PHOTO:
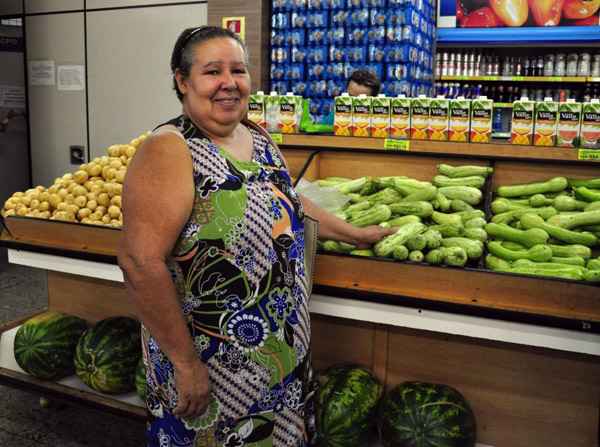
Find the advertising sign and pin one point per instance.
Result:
(518, 13)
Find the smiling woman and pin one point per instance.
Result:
(213, 259)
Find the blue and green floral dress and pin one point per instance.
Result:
(238, 267)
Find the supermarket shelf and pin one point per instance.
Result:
(69, 388)
(578, 79)
(394, 315)
(519, 36)
(496, 150)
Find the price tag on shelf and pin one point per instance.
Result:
(396, 145)
(589, 154)
(277, 138)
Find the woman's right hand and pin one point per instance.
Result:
(193, 389)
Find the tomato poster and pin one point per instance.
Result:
(526, 13)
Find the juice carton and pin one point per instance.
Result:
(380, 116)
(460, 111)
(419, 120)
(342, 120)
(590, 125)
(272, 112)
(481, 120)
(438, 118)
(569, 123)
(546, 114)
(361, 116)
(289, 107)
(400, 118)
(522, 122)
(256, 109)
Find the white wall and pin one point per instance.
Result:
(129, 87)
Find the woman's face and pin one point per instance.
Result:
(217, 89)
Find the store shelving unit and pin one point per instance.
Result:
(553, 79)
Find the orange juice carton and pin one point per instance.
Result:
(569, 123)
(481, 120)
(419, 118)
(272, 112)
(400, 118)
(590, 125)
(256, 109)
(290, 107)
(460, 119)
(342, 120)
(361, 116)
(380, 116)
(522, 122)
(546, 115)
(439, 118)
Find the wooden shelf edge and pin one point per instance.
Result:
(492, 150)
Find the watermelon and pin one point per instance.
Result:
(417, 414)
(346, 404)
(45, 344)
(108, 353)
(140, 379)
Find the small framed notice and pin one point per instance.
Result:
(42, 73)
(70, 77)
(236, 25)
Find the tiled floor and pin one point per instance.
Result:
(23, 422)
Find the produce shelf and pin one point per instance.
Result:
(492, 150)
(577, 79)
(519, 36)
(68, 389)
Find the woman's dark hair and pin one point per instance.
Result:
(368, 79)
(182, 57)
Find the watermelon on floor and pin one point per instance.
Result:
(346, 406)
(418, 414)
(140, 379)
(45, 344)
(107, 355)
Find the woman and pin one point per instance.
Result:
(213, 260)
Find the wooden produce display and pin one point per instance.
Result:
(522, 395)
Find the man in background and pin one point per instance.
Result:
(363, 82)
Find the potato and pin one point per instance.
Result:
(67, 176)
(103, 199)
(44, 196)
(101, 210)
(84, 213)
(19, 194)
(8, 213)
(106, 219)
(73, 209)
(131, 149)
(116, 200)
(120, 176)
(115, 163)
(22, 211)
(114, 150)
(114, 211)
(62, 206)
(69, 198)
(35, 203)
(80, 201)
(25, 200)
(63, 192)
(54, 200)
(80, 177)
(92, 204)
(44, 206)
(45, 214)
(94, 169)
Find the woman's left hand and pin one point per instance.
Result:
(367, 236)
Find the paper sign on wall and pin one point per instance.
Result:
(70, 77)
(12, 97)
(42, 73)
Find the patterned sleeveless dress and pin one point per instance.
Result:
(238, 267)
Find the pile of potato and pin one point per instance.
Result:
(90, 195)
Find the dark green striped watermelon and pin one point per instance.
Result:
(417, 414)
(345, 406)
(140, 379)
(45, 344)
(107, 355)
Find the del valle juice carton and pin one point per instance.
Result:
(342, 120)
(438, 118)
(481, 120)
(590, 125)
(380, 116)
(256, 109)
(361, 116)
(569, 123)
(272, 112)
(546, 115)
(400, 118)
(460, 118)
(522, 122)
(290, 107)
(419, 117)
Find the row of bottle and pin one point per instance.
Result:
(340, 72)
(303, 5)
(510, 92)
(479, 63)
